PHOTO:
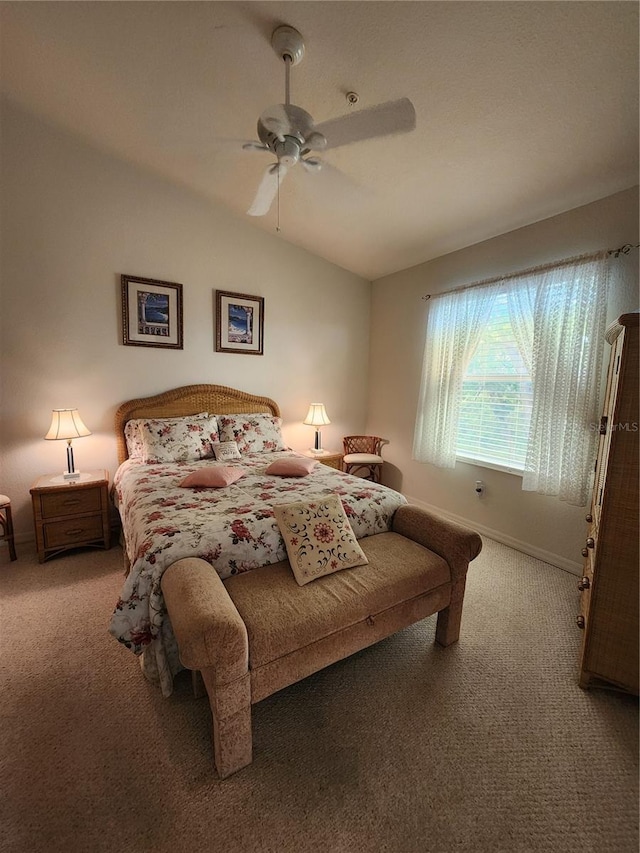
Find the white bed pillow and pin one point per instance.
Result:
(254, 433)
(178, 440)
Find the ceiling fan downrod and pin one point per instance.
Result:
(289, 45)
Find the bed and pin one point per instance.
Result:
(232, 528)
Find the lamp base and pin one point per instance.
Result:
(73, 475)
(317, 452)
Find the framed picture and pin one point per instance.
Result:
(151, 313)
(239, 323)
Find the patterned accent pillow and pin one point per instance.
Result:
(179, 440)
(215, 477)
(133, 437)
(318, 538)
(225, 450)
(254, 433)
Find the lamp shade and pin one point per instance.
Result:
(316, 416)
(66, 423)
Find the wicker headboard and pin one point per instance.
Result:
(189, 400)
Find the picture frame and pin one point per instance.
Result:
(151, 313)
(239, 323)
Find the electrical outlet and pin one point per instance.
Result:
(479, 488)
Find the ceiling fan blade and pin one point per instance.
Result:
(267, 190)
(254, 146)
(382, 120)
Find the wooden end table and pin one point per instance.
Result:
(330, 458)
(71, 513)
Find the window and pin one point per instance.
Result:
(511, 375)
(497, 396)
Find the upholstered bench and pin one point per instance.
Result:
(258, 632)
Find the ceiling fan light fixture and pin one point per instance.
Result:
(287, 151)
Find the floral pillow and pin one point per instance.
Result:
(318, 538)
(180, 440)
(133, 437)
(254, 433)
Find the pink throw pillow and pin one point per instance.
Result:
(212, 478)
(295, 466)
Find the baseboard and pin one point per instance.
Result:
(539, 553)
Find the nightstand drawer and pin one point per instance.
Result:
(70, 503)
(74, 531)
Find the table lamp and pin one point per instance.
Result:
(317, 417)
(67, 424)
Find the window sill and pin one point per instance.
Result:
(482, 463)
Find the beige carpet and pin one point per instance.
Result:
(489, 745)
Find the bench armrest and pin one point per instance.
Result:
(205, 621)
(456, 544)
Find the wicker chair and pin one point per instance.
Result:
(362, 454)
(6, 525)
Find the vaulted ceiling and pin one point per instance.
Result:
(523, 109)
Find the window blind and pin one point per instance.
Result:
(497, 396)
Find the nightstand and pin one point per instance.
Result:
(328, 457)
(71, 513)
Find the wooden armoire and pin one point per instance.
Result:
(609, 586)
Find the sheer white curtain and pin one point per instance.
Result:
(558, 320)
(521, 296)
(454, 326)
(569, 324)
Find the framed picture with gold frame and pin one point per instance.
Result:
(151, 312)
(239, 323)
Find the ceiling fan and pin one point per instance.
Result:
(289, 132)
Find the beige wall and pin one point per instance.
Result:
(73, 220)
(540, 525)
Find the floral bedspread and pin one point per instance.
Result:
(232, 528)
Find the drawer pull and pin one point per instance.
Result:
(580, 621)
(71, 502)
(584, 583)
(591, 542)
(584, 552)
(589, 518)
(76, 531)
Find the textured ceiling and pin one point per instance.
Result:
(524, 109)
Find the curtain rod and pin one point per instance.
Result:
(621, 250)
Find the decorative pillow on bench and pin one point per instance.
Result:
(318, 538)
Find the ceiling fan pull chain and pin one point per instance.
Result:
(278, 198)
